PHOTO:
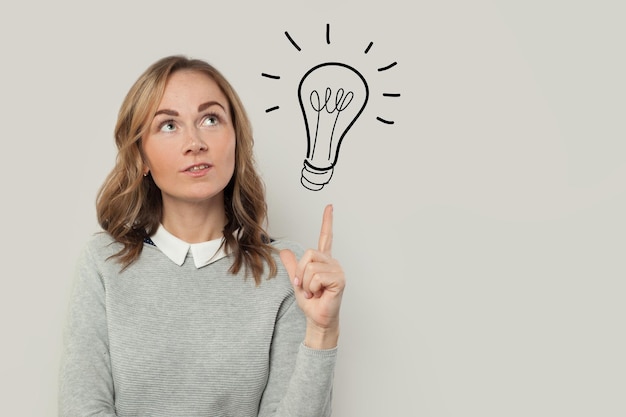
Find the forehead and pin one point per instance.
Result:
(191, 86)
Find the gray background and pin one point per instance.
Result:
(482, 233)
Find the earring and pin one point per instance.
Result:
(145, 174)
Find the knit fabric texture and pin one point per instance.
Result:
(158, 339)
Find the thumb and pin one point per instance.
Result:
(289, 260)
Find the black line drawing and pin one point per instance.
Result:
(393, 64)
(332, 96)
(292, 41)
(340, 85)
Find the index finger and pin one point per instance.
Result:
(326, 234)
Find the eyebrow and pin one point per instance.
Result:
(167, 112)
(208, 104)
(201, 108)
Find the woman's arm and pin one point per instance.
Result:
(86, 383)
(318, 282)
(300, 378)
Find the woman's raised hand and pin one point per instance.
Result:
(318, 282)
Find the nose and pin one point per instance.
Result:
(194, 143)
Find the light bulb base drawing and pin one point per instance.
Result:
(314, 178)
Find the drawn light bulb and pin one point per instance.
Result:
(332, 96)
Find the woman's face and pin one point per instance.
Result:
(190, 145)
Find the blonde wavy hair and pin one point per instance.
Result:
(129, 204)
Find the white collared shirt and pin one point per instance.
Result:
(203, 253)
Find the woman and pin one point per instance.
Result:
(184, 306)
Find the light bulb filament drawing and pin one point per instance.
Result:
(328, 119)
(341, 102)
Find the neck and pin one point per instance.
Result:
(195, 223)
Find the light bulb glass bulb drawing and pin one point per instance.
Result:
(332, 96)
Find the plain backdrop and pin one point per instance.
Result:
(482, 233)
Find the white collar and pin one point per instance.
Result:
(203, 253)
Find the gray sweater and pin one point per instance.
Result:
(160, 339)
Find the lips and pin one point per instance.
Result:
(197, 167)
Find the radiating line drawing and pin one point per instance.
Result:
(393, 64)
(332, 96)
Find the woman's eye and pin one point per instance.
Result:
(167, 127)
(210, 120)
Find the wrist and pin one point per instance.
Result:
(321, 337)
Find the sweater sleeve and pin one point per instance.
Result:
(300, 379)
(86, 383)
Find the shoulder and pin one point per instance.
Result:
(296, 248)
(282, 277)
(96, 250)
(99, 255)
(101, 244)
